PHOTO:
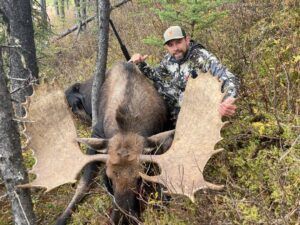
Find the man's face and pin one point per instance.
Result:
(178, 47)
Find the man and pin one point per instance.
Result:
(182, 61)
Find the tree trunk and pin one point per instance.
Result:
(12, 170)
(83, 9)
(62, 9)
(22, 60)
(56, 7)
(97, 14)
(44, 12)
(83, 12)
(104, 12)
(78, 12)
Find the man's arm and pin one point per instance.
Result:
(155, 74)
(208, 62)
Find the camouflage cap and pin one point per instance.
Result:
(172, 33)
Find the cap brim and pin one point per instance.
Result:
(173, 38)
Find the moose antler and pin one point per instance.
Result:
(197, 131)
(51, 122)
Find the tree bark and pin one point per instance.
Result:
(104, 12)
(62, 9)
(97, 13)
(12, 170)
(78, 12)
(83, 12)
(56, 7)
(83, 9)
(22, 54)
(43, 12)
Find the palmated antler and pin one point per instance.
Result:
(197, 132)
(51, 134)
(59, 159)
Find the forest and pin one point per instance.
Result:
(257, 40)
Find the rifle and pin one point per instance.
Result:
(123, 47)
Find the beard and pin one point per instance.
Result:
(178, 55)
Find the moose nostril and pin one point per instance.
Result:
(123, 153)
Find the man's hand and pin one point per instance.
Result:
(227, 108)
(137, 58)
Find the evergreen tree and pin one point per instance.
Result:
(193, 15)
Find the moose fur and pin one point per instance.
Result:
(130, 114)
(79, 99)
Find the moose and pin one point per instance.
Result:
(130, 113)
(79, 99)
(130, 130)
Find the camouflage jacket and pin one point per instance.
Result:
(171, 76)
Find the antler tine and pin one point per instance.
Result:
(149, 158)
(24, 185)
(27, 102)
(217, 151)
(214, 186)
(97, 157)
(155, 179)
(95, 143)
(104, 151)
(33, 185)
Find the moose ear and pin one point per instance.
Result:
(95, 143)
(159, 143)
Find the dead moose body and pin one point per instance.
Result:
(131, 114)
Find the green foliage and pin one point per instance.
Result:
(153, 40)
(42, 30)
(264, 172)
(93, 210)
(190, 13)
(193, 15)
(274, 40)
(29, 160)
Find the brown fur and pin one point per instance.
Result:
(127, 93)
(130, 110)
(123, 166)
